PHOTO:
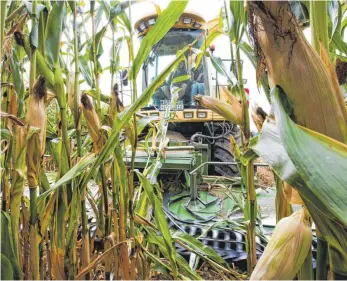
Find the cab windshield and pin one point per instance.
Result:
(161, 55)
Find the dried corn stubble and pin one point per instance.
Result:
(93, 122)
(220, 107)
(36, 117)
(287, 249)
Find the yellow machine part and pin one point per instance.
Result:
(191, 115)
(179, 24)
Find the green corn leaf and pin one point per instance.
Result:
(301, 157)
(160, 219)
(34, 33)
(45, 211)
(7, 247)
(54, 31)
(198, 247)
(180, 79)
(39, 8)
(18, 176)
(163, 24)
(99, 50)
(98, 17)
(248, 51)
(213, 34)
(317, 152)
(74, 172)
(6, 269)
(159, 241)
(334, 12)
(220, 67)
(118, 9)
(85, 70)
(5, 134)
(237, 20)
(106, 7)
(300, 11)
(124, 19)
(75, 211)
(121, 182)
(339, 43)
(306, 270)
(42, 67)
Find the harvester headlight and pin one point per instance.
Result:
(187, 20)
(196, 25)
(188, 114)
(142, 26)
(151, 21)
(155, 114)
(202, 114)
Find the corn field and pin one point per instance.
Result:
(73, 208)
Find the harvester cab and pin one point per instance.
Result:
(197, 168)
(198, 144)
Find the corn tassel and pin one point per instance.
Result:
(287, 249)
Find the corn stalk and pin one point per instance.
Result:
(2, 23)
(95, 62)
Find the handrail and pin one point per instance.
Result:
(222, 163)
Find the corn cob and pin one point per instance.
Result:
(116, 104)
(220, 107)
(287, 249)
(93, 122)
(36, 117)
(71, 92)
(341, 71)
(233, 101)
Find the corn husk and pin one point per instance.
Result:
(291, 194)
(36, 110)
(297, 68)
(341, 71)
(233, 101)
(116, 104)
(50, 97)
(220, 107)
(36, 117)
(93, 122)
(71, 92)
(287, 249)
(258, 116)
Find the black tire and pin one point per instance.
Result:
(222, 153)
